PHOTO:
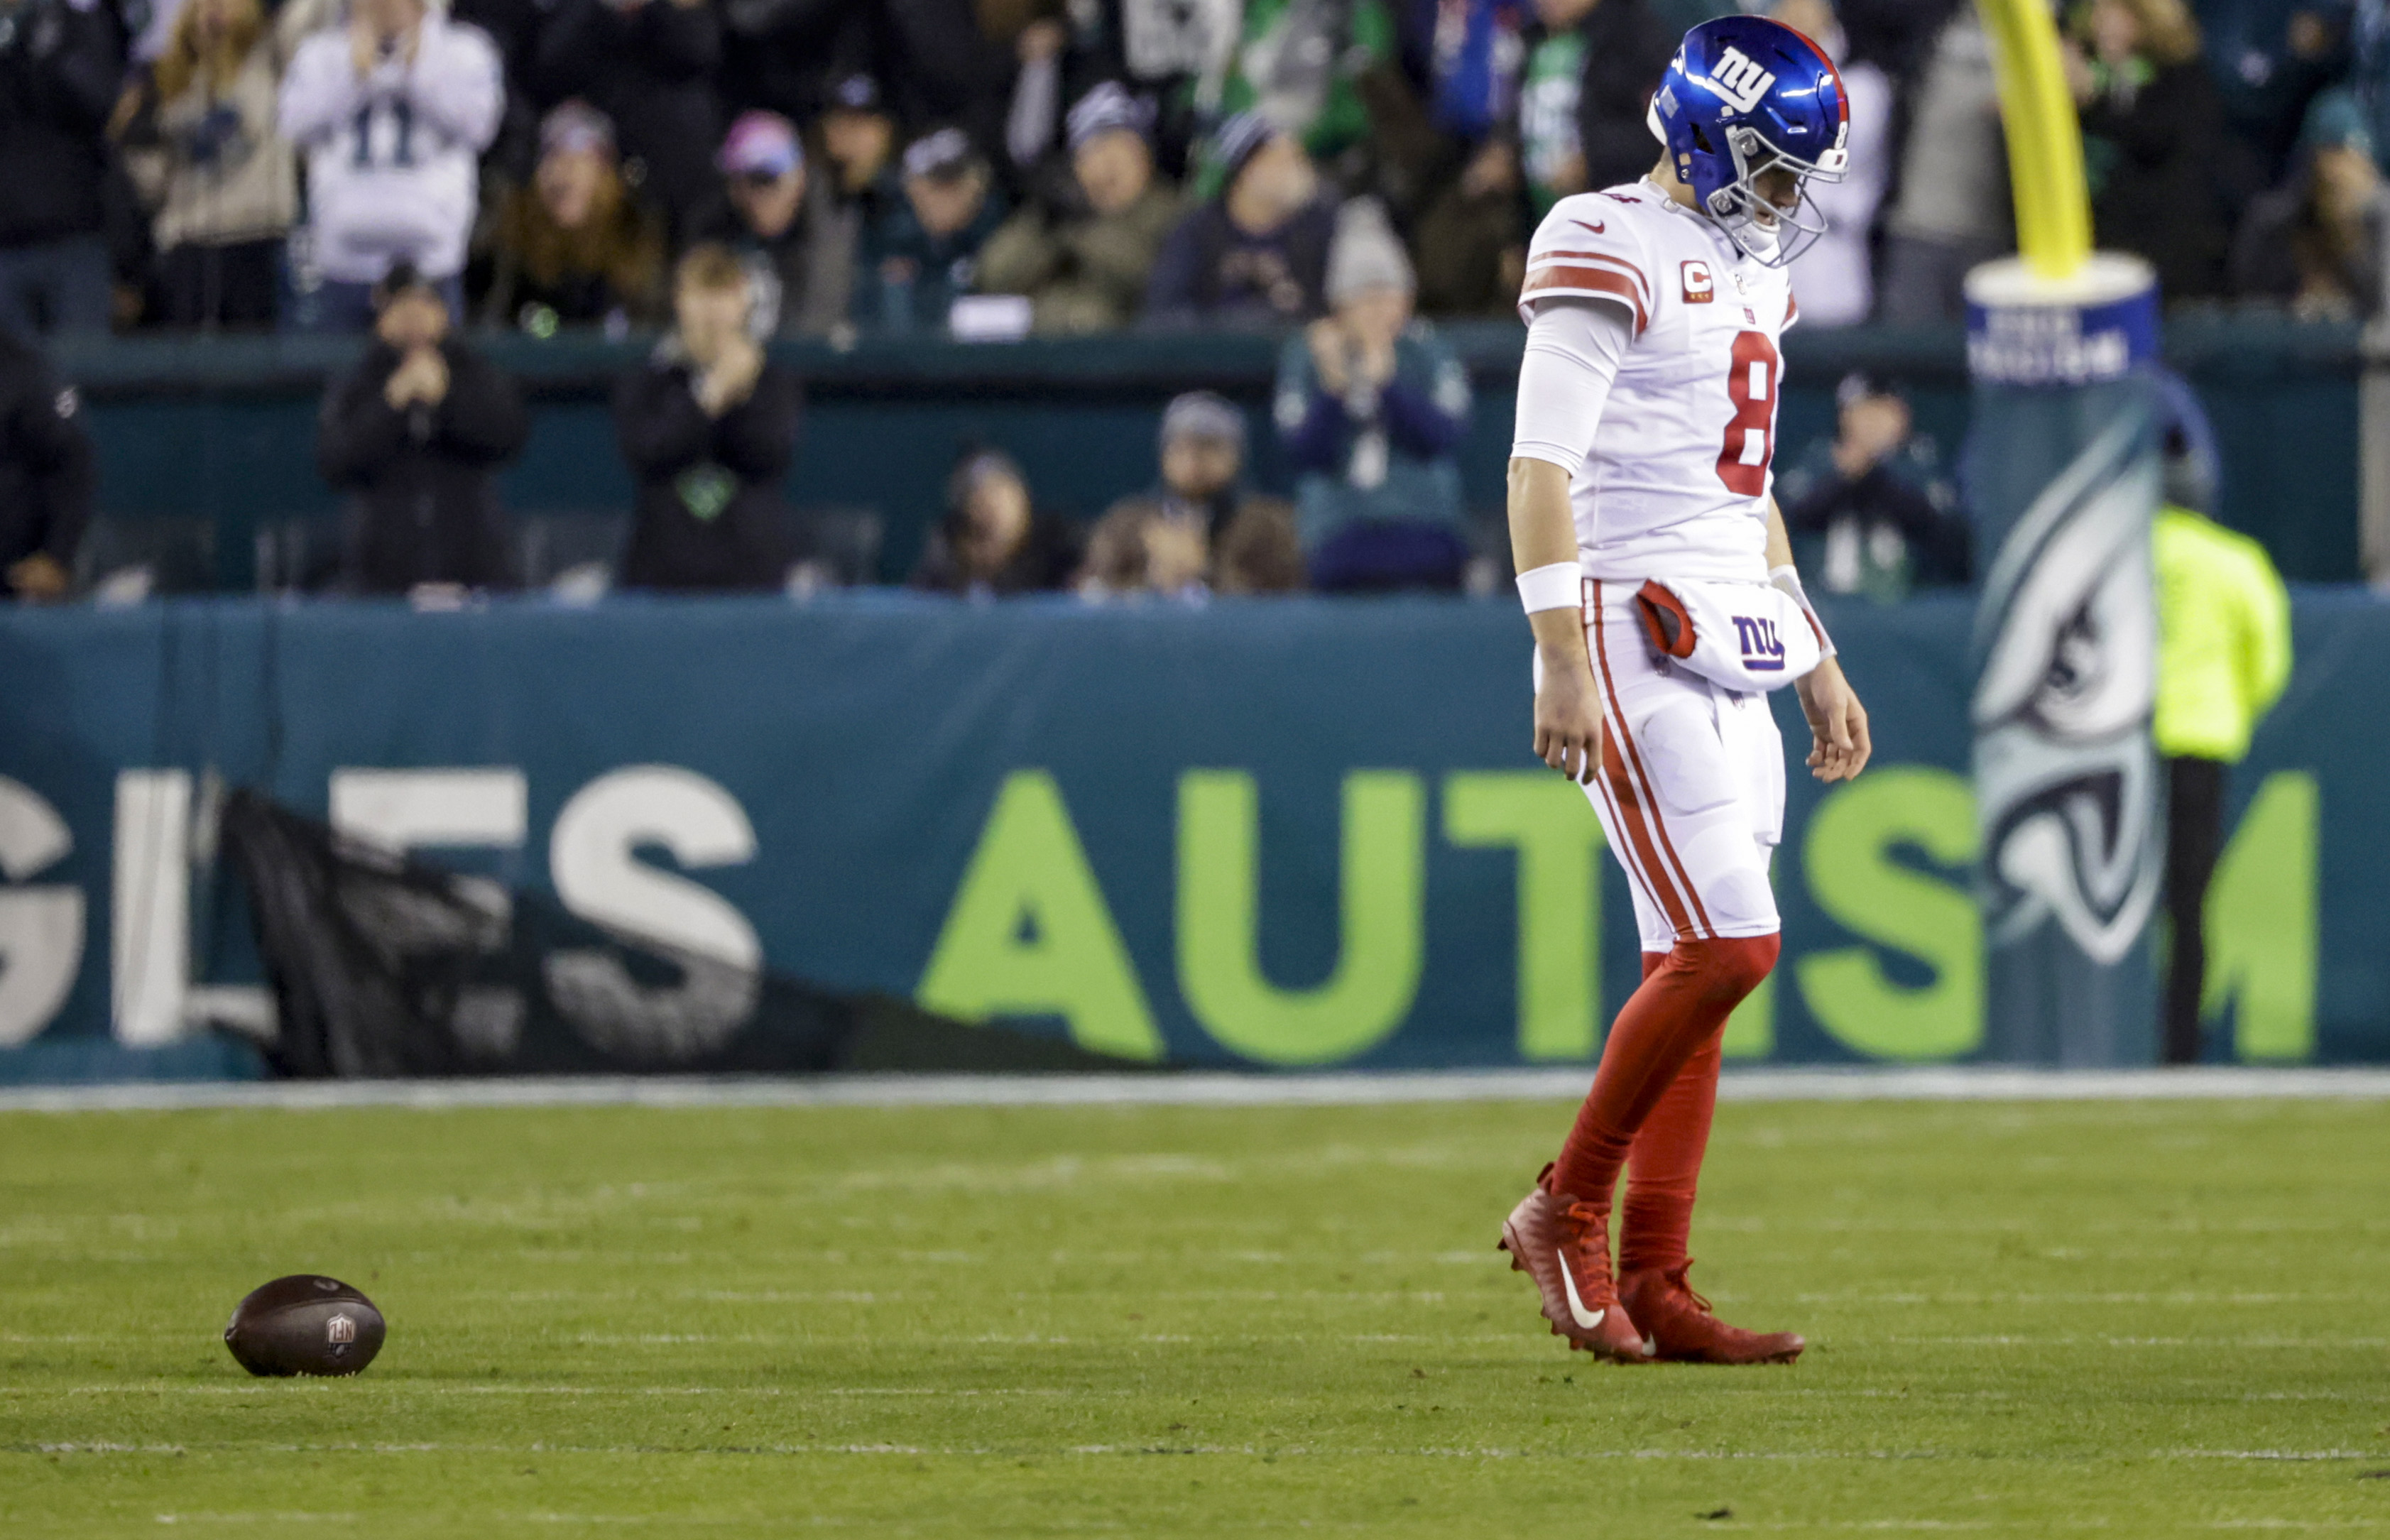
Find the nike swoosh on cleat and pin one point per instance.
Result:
(1585, 1319)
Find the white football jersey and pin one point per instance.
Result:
(1677, 482)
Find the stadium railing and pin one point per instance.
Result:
(222, 429)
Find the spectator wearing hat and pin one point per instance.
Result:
(858, 140)
(391, 110)
(60, 64)
(2315, 243)
(789, 226)
(1371, 406)
(1085, 267)
(46, 475)
(994, 541)
(1200, 529)
(1256, 255)
(415, 432)
(919, 255)
(575, 247)
(199, 143)
(709, 426)
(1869, 508)
(649, 65)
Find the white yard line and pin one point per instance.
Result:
(1197, 1089)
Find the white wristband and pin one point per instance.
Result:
(1789, 580)
(1558, 586)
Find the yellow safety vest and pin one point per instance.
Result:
(2224, 650)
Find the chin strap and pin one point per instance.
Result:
(1788, 579)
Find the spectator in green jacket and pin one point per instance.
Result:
(1085, 267)
(2224, 655)
(1295, 64)
(1371, 406)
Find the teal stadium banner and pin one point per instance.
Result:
(1286, 834)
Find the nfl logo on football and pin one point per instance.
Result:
(340, 1329)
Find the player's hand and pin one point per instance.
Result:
(1568, 718)
(1838, 724)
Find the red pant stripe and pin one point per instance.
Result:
(1634, 783)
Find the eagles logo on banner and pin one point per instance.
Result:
(2062, 481)
(2067, 776)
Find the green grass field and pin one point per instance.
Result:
(2129, 1318)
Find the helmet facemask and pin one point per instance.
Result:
(1770, 236)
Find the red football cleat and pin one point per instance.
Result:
(1679, 1328)
(1563, 1245)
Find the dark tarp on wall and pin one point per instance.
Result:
(388, 966)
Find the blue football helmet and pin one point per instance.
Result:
(1745, 96)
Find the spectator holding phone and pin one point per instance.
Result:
(1371, 406)
(415, 432)
(709, 426)
(391, 110)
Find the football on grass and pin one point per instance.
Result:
(304, 1325)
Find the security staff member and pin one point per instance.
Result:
(2224, 655)
(46, 476)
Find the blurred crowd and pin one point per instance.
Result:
(724, 173)
(1001, 167)
(1370, 410)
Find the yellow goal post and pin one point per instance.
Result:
(2053, 204)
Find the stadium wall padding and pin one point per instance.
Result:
(226, 428)
(1282, 833)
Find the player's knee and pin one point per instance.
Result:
(1731, 967)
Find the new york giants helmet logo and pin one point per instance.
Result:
(1740, 78)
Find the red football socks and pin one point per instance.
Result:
(1663, 1165)
(1663, 1053)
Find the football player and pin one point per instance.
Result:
(1658, 580)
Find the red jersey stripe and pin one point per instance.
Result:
(1605, 258)
(1589, 280)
